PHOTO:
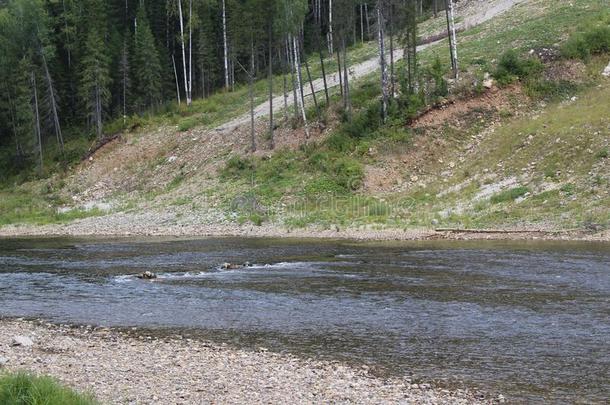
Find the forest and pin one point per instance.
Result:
(69, 67)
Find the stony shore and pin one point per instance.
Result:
(169, 223)
(127, 367)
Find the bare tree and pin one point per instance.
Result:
(37, 122)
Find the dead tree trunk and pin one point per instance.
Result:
(53, 102)
(177, 82)
(37, 122)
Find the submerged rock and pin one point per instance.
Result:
(233, 266)
(147, 275)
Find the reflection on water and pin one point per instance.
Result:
(529, 320)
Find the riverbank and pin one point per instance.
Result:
(166, 223)
(121, 367)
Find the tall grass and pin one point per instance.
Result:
(26, 389)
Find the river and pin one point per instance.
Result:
(530, 320)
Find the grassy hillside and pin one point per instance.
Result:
(530, 152)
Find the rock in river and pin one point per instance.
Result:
(147, 275)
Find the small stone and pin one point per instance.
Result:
(3, 361)
(23, 341)
(606, 71)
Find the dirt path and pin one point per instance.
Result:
(473, 14)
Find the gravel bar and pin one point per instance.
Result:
(133, 367)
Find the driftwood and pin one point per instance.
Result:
(437, 37)
(502, 231)
(100, 144)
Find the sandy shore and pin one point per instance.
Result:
(134, 368)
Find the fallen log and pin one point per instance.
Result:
(502, 231)
(99, 144)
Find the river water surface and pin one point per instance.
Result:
(528, 319)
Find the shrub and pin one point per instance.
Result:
(236, 166)
(509, 195)
(436, 73)
(378, 209)
(340, 142)
(365, 122)
(346, 173)
(546, 89)
(582, 45)
(188, 123)
(25, 389)
(512, 67)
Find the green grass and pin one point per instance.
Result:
(36, 206)
(26, 389)
(509, 195)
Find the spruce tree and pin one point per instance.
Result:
(95, 80)
(146, 65)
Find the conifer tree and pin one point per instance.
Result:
(146, 66)
(95, 80)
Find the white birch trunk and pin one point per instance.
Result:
(186, 84)
(382, 64)
(452, 39)
(225, 43)
(297, 66)
(190, 92)
(330, 27)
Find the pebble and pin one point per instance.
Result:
(117, 367)
(22, 341)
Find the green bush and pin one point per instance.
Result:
(582, 45)
(513, 67)
(25, 389)
(509, 195)
(602, 154)
(189, 123)
(236, 166)
(340, 142)
(365, 122)
(345, 172)
(378, 209)
(436, 73)
(541, 88)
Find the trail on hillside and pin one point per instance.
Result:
(484, 11)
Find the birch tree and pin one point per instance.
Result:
(449, 10)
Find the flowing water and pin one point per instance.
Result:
(530, 320)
